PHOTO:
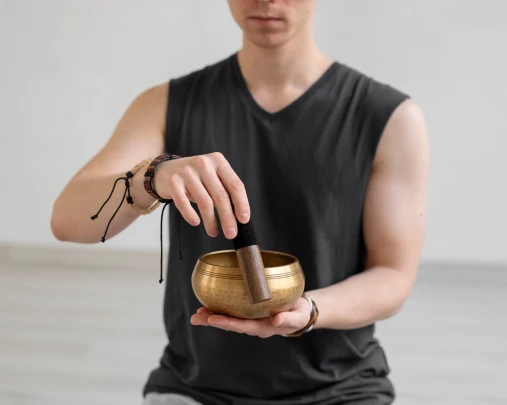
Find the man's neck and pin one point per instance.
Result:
(295, 64)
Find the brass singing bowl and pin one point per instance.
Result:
(218, 284)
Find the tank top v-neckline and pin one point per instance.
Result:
(288, 109)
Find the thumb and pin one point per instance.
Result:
(283, 320)
(291, 320)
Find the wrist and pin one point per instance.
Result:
(314, 314)
(141, 198)
(157, 181)
(317, 302)
(151, 177)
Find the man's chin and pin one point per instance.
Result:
(268, 40)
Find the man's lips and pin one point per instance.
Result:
(260, 17)
(264, 19)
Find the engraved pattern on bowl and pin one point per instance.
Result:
(218, 284)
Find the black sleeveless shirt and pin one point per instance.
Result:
(306, 170)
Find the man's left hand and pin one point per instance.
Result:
(283, 323)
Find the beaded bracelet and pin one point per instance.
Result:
(126, 196)
(149, 175)
(130, 201)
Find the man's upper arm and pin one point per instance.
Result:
(138, 135)
(395, 206)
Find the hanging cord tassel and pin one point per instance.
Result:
(117, 209)
(148, 177)
(149, 187)
(128, 176)
(108, 198)
(179, 237)
(130, 201)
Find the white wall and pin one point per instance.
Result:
(68, 69)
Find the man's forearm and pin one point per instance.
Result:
(361, 300)
(82, 198)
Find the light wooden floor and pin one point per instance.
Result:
(77, 336)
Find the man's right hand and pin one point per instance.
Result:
(210, 182)
(207, 180)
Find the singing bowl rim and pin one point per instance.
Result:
(294, 265)
(295, 260)
(286, 269)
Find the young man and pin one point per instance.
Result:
(329, 164)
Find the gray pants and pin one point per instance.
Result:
(154, 398)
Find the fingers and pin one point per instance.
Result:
(222, 204)
(211, 183)
(181, 200)
(199, 319)
(202, 199)
(236, 190)
(203, 310)
(252, 327)
(223, 185)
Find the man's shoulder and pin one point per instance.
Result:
(211, 71)
(371, 92)
(159, 92)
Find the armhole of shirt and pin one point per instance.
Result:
(171, 121)
(380, 102)
(180, 92)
